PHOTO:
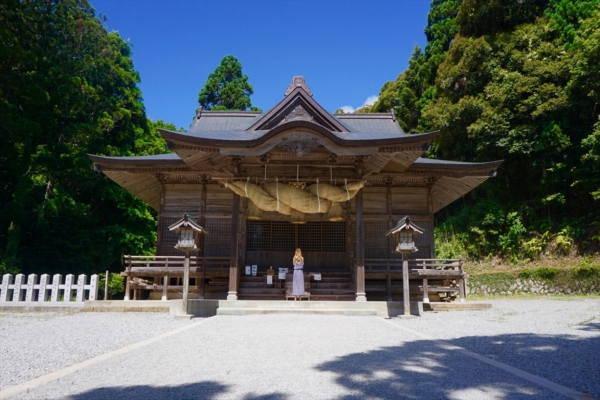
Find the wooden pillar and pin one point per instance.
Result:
(405, 287)
(425, 291)
(106, 285)
(127, 283)
(186, 281)
(389, 284)
(233, 263)
(165, 295)
(390, 241)
(360, 249)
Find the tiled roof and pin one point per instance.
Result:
(224, 121)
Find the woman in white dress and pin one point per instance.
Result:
(298, 283)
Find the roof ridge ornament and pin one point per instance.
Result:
(298, 81)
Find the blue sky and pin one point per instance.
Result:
(346, 50)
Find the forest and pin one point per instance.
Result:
(517, 80)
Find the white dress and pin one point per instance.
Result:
(298, 283)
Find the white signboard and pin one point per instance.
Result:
(254, 270)
(317, 277)
(269, 279)
(281, 275)
(248, 270)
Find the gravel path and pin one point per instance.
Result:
(558, 339)
(326, 357)
(34, 344)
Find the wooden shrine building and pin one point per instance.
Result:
(263, 184)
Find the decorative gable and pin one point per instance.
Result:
(298, 105)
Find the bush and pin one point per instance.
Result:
(115, 284)
(543, 273)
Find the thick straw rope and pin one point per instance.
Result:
(316, 198)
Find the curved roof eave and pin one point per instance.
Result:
(430, 163)
(158, 159)
(366, 139)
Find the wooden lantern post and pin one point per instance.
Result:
(188, 231)
(404, 233)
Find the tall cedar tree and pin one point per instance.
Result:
(67, 88)
(226, 88)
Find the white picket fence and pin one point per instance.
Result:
(17, 289)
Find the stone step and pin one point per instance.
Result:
(336, 292)
(317, 311)
(270, 296)
(322, 285)
(456, 306)
(261, 291)
(326, 297)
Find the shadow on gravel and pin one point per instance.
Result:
(199, 390)
(433, 370)
(592, 326)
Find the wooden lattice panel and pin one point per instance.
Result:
(334, 237)
(376, 243)
(168, 239)
(310, 237)
(218, 241)
(258, 236)
(283, 236)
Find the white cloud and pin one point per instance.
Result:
(368, 102)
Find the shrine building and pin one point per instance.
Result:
(295, 176)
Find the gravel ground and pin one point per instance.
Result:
(558, 339)
(319, 357)
(34, 344)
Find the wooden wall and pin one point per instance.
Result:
(211, 205)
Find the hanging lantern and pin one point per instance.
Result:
(297, 217)
(254, 213)
(336, 213)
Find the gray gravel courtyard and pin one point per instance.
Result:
(310, 356)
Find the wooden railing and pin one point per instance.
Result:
(447, 275)
(157, 267)
(151, 263)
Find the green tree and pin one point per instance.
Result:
(514, 80)
(226, 88)
(67, 88)
(567, 16)
(415, 87)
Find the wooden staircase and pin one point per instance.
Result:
(338, 288)
(333, 286)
